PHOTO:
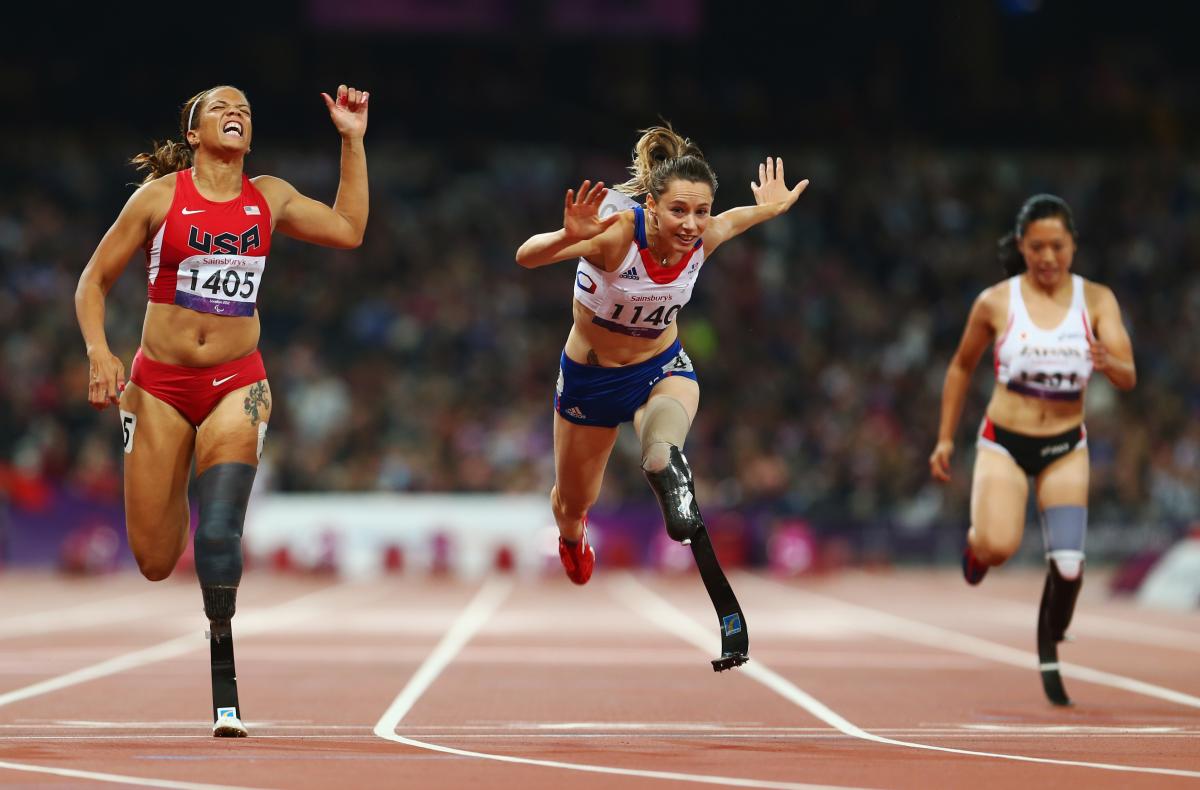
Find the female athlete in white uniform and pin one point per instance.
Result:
(1050, 330)
(623, 360)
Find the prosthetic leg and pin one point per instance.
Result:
(676, 495)
(227, 713)
(224, 492)
(1063, 529)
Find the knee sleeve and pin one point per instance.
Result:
(665, 424)
(1064, 530)
(224, 492)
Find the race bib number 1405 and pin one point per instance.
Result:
(221, 284)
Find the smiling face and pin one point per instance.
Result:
(1048, 249)
(222, 121)
(682, 212)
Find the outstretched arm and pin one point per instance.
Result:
(583, 234)
(343, 224)
(975, 339)
(771, 198)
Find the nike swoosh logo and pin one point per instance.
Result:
(192, 211)
(219, 382)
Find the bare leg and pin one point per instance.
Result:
(580, 455)
(999, 494)
(1065, 482)
(158, 459)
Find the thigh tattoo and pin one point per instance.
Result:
(256, 402)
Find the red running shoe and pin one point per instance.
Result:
(973, 570)
(577, 557)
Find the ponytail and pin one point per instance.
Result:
(167, 157)
(653, 157)
(1010, 257)
(1036, 207)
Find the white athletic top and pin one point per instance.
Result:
(640, 298)
(1045, 363)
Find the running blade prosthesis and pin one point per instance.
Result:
(676, 495)
(735, 641)
(1054, 615)
(227, 714)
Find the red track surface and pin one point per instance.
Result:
(601, 676)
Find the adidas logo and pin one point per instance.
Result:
(629, 274)
(576, 412)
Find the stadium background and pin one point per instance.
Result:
(424, 361)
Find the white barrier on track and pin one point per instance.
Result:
(364, 535)
(1174, 581)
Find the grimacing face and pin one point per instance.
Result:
(683, 211)
(223, 121)
(1048, 249)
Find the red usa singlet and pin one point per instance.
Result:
(209, 256)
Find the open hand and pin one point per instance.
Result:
(771, 188)
(581, 212)
(348, 111)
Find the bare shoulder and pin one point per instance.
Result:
(627, 222)
(272, 185)
(1098, 296)
(620, 233)
(156, 191)
(610, 247)
(151, 201)
(993, 300)
(278, 193)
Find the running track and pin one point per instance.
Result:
(903, 679)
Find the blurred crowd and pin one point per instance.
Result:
(426, 360)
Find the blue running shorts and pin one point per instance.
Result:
(607, 397)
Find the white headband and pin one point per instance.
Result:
(191, 115)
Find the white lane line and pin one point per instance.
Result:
(543, 653)
(116, 778)
(650, 605)
(87, 615)
(149, 655)
(258, 621)
(486, 601)
(904, 629)
(1103, 627)
(621, 728)
(473, 617)
(825, 734)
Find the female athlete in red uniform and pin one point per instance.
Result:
(623, 360)
(1050, 330)
(197, 387)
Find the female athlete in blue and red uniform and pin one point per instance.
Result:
(1050, 330)
(623, 360)
(197, 386)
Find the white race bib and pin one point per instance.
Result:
(221, 284)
